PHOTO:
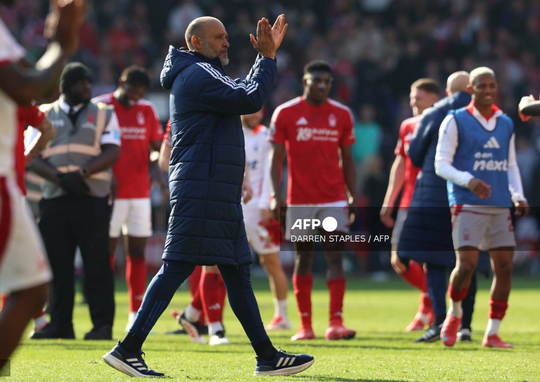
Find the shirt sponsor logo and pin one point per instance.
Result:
(133, 132)
(490, 165)
(311, 133)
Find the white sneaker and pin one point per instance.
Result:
(219, 339)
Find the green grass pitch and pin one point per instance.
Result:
(382, 350)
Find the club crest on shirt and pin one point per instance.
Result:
(140, 118)
(91, 118)
(332, 120)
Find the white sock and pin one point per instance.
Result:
(455, 309)
(493, 327)
(214, 327)
(280, 308)
(40, 322)
(192, 314)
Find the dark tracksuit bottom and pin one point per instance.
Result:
(66, 223)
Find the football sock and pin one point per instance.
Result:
(336, 287)
(214, 327)
(40, 320)
(212, 296)
(456, 296)
(136, 281)
(280, 308)
(192, 314)
(302, 285)
(195, 289)
(497, 311)
(436, 280)
(467, 305)
(415, 276)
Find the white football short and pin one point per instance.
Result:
(482, 227)
(337, 210)
(23, 262)
(259, 238)
(132, 217)
(398, 225)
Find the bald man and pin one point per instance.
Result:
(427, 233)
(206, 172)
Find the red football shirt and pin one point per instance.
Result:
(406, 132)
(312, 136)
(139, 126)
(27, 115)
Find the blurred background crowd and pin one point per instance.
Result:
(376, 47)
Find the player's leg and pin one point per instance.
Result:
(126, 356)
(18, 310)
(194, 312)
(336, 282)
(119, 214)
(467, 306)
(92, 235)
(213, 304)
(302, 285)
(279, 286)
(137, 229)
(437, 287)
(466, 262)
(501, 261)
(244, 305)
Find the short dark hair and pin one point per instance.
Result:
(317, 66)
(135, 76)
(427, 84)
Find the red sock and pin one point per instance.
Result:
(223, 291)
(302, 285)
(457, 294)
(3, 300)
(336, 287)
(195, 287)
(136, 281)
(211, 296)
(425, 304)
(415, 276)
(497, 309)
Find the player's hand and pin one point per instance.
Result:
(247, 192)
(522, 208)
(525, 101)
(63, 22)
(266, 216)
(398, 266)
(386, 216)
(269, 38)
(279, 209)
(480, 188)
(74, 184)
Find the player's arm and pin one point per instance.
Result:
(165, 149)
(514, 182)
(38, 145)
(444, 157)
(277, 154)
(247, 191)
(61, 26)
(528, 107)
(155, 167)
(266, 188)
(395, 184)
(349, 174)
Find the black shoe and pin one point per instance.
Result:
(51, 332)
(179, 331)
(102, 333)
(464, 335)
(193, 329)
(132, 364)
(283, 364)
(433, 334)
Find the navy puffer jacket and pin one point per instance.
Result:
(427, 231)
(206, 171)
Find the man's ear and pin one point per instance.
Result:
(196, 42)
(469, 88)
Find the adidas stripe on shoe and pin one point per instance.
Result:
(131, 364)
(283, 364)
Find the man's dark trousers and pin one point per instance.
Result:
(66, 223)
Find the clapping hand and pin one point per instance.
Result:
(269, 38)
